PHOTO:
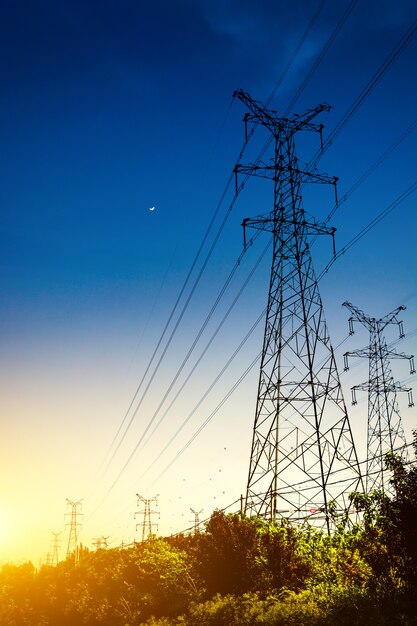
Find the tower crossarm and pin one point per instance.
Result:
(373, 386)
(358, 316)
(371, 323)
(361, 352)
(274, 170)
(392, 354)
(272, 220)
(141, 498)
(269, 118)
(391, 318)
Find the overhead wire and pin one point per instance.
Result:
(218, 407)
(243, 183)
(165, 329)
(278, 84)
(228, 184)
(301, 483)
(393, 205)
(200, 332)
(369, 87)
(297, 49)
(214, 412)
(373, 167)
(322, 54)
(149, 317)
(373, 223)
(377, 77)
(213, 336)
(364, 231)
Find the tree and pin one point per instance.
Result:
(389, 538)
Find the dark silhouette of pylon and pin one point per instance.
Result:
(101, 543)
(73, 548)
(147, 524)
(56, 541)
(385, 429)
(196, 520)
(303, 460)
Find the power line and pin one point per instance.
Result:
(370, 86)
(296, 51)
(214, 412)
(371, 225)
(353, 241)
(164, 331)
(322, 54)
(372, 168)
(295, 485)
(307, 31)
(213, 336)
(230, 208)
(130, 457)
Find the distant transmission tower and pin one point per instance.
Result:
(303, 459)
(101, 543)
(56, 541)
(385, 430)
(72, 549)
(147, 513)
(196, 520)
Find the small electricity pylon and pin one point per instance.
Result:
(196, 520)
(303, 460)
(385, 430)
(101, 543)
(147, 524)
(56, 541)
(72, 549)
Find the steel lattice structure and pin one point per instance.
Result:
(72, 549)
(55, 548)
(196, 520)
(385, 430)
(303, 459)
(146, 525)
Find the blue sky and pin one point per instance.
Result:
(108, 109)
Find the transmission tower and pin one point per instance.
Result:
(196, 520)
(147, 513)
(101, 543)
(385, 430)
(303, 460)
(72, 549)
(56, 542)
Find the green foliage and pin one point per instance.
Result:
(161, 577)
(389, 540)
(228, 555)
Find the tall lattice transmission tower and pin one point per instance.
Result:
(75, 525)
(303, 460)
(147, 524)
(385, 429)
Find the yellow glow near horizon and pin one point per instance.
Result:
(6, 526)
